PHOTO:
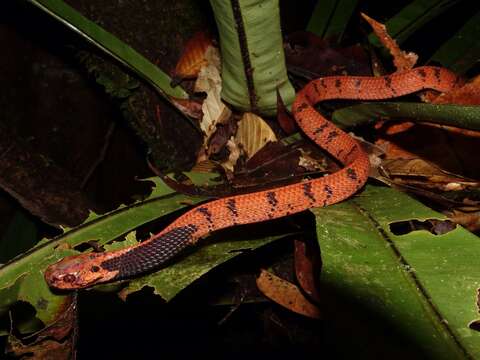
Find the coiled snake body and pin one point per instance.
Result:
(79, 271)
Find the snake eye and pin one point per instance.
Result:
(94, 268)
(69, 278)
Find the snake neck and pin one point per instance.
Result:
(152, 253)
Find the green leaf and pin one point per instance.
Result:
(462, 51)
(331, 17)
(21, 234)
(110, 45)
(412, 17)
(22, 278)
(467, 117)
(169, 281)
(425, 285)
(263, 58)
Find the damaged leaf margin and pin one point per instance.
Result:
(424, 284)
(22, 279)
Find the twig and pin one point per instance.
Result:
(101, 156)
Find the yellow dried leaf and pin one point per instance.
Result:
(253, 134)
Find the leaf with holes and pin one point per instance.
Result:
(215, 250)
(21, 279)
(424, 286)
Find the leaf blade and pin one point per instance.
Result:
(395, 276)
(111, 45)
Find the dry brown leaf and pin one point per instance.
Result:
(232, 157)
(193, 56)
(205, 166)
(189, 107)
(214, 110)
(286, 294)
(401, 59)
(421, 173)
(310, 163)
(253, 134)
(469, 220)
(307, 267)
(55, 341)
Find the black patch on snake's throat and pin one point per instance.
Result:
(152, 253)
(309, 194)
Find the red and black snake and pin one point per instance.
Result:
(79, 271)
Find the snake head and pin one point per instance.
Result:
(78, 271)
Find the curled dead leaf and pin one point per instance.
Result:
(422, 173)
(55, 341)
(193, 56)
(307, 268)
(253, 134)
(209, 81)
(234, 155)
(286, 294)
(469, 220)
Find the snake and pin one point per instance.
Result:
(87, 269)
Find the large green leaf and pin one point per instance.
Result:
(462, 51)
(111, 45)
(424, 284)
(412, 17)
(331, 17)
(22, 278)
(253, 61)
(169, 281)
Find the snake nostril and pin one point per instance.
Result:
(95, 268)
(69, 278)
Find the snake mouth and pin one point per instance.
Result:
(70, 281)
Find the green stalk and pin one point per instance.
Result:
(253, 60)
